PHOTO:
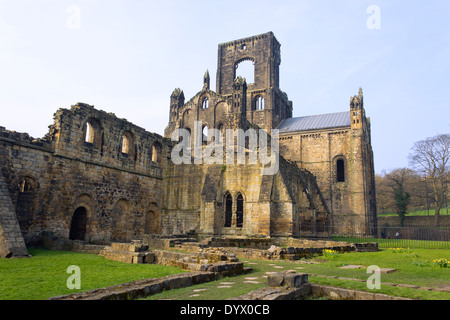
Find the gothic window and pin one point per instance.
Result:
(205, 135)
(205, 103)
(240, 211)
(340, 170)
(184, 133)
(259, 103)
(228, 210)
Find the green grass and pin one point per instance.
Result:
(407, 272)
(422, 212)
(45, 274)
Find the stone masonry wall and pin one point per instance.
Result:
(351, 202)
(48, 179)
(11, 241)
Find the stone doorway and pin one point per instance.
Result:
(78, 225)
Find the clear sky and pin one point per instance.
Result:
(127, 56)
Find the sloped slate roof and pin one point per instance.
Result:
(321, 121)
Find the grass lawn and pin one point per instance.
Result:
(423, 212)
(45, 274)
(409, 271)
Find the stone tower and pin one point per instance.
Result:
(266, 104)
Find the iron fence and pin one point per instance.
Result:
(385, 236)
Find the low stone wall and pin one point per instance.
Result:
(142, 288)
(255, 243)
(304, 243)
(224, 264)
(366, 246)
(128, 253)
(156, 242)
(51, 242)
(289, 285)
(335, 293)
(278, 253)
(282, 293)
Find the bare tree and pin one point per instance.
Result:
(398, 181)
(385, 203)
(431, 156)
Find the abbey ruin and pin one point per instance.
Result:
(100, 179)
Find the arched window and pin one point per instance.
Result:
(205, 134)
(127, 144)
(205, 103)
(259, 103)
(228, 210)
(340, 170)
(78, 225)
(89, 137)
(245, 69)
(92, 133)
(156, 152)
(239, 211)
(25, 185)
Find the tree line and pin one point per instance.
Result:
(423, 185)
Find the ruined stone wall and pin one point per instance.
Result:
(11, 241)
(118, 189)
(264, 52)
(195, 199)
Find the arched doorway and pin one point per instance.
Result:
(151, 223)
(78, 225)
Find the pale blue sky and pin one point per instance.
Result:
(128, 56)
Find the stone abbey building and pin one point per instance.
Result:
(100, 179)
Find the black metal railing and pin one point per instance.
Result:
(386, 237)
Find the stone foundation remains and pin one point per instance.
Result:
(142, 288)
(289, 285)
